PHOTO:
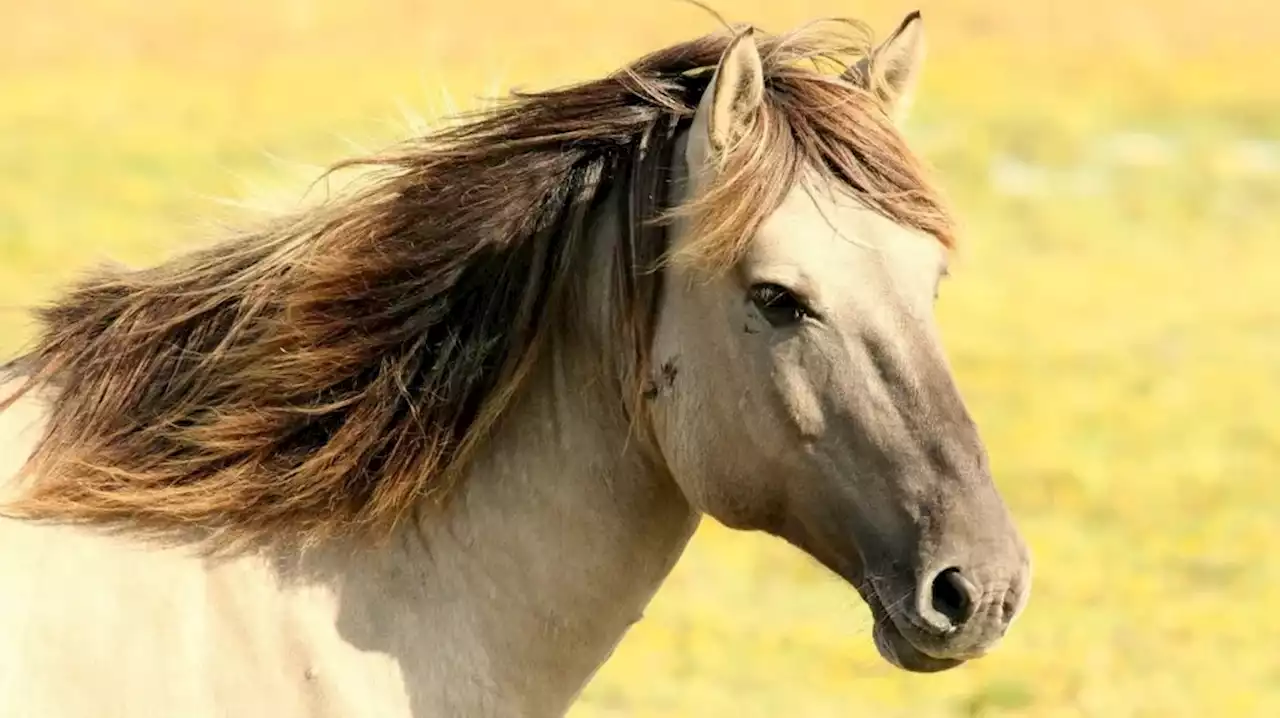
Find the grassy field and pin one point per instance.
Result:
(1114, 317)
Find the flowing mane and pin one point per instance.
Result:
(324, 373)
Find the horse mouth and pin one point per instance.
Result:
(900, 641)
(894, 645)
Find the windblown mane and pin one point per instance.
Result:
(326, 372)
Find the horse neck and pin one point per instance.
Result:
(508, 600)
(556, 540)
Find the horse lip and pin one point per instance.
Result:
(885, 627)
(890, 640)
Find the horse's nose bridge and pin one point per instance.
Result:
(930, 402)
(972, 558)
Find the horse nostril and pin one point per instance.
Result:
(952, 596)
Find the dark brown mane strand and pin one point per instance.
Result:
(323, 374)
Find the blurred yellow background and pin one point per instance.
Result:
(1114, 316)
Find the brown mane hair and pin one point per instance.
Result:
(322, 374)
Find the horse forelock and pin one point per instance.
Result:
(326, 373)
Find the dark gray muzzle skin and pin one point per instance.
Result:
(919, 527)
(942, 593)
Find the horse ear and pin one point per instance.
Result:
(892, 68)
(730, 101)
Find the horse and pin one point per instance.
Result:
(429, 446)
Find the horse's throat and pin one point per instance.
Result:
(557, 542)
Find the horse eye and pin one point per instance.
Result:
(779, 305)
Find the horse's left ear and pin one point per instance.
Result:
(730, 101)
(892, 68)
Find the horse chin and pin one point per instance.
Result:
(897, 650)
(895, 647)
